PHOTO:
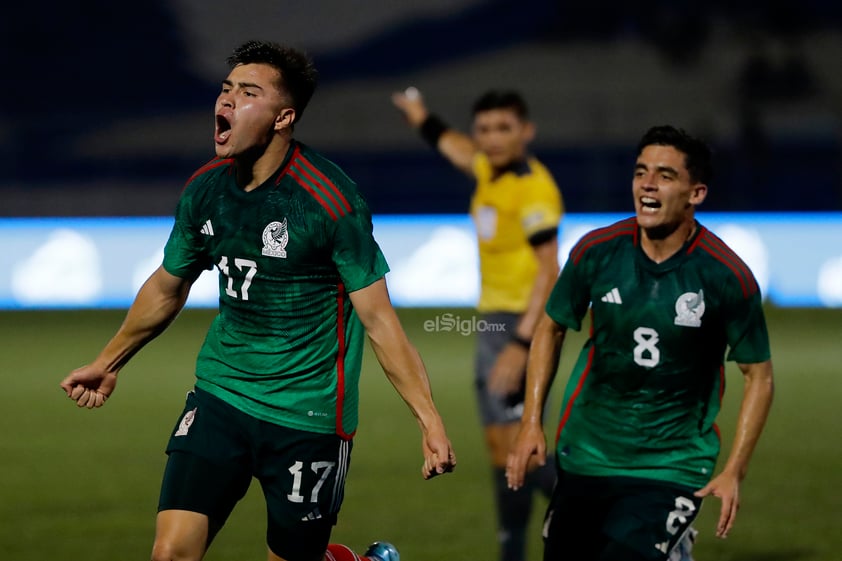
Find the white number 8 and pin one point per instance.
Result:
(646, 353)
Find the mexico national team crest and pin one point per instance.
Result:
(275, 239)
(689, 309)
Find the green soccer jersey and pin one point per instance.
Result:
(644, 394)
(286, 346)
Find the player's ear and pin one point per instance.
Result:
(528, 131)
(698, 192)
(284, 119)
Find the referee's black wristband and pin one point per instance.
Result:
(431, 129)
(522, 341)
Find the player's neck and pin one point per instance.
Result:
(255, 168)
(660, 246)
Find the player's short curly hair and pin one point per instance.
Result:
(502, 99)
(698, 155)
(298, 74)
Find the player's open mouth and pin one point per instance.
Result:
(649, 203)
(223, 129)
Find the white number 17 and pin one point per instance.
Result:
(316, 467)
(251, 267)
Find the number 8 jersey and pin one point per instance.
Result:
(286, 346)
(645, 391)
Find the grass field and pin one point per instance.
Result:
(82, 485)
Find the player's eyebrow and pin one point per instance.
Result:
(227, 82)
(667, 169)
(662, 169)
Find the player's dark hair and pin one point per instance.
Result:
(697, 154)
(298, 74)
(502, 99)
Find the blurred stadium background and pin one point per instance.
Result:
(109, 107)
(107, 110)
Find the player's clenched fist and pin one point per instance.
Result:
(89, 386)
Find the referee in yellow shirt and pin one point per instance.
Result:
(516, 208)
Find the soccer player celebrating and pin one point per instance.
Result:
(637, 443)
(516, 208)
(301, 279)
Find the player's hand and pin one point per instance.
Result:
(411, 104)
(89, 386)
(530, 444)
(439, 457)
(507, 374)
(726, 487)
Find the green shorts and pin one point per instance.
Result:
(589, 516)
(216, 449)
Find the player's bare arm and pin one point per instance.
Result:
(405, 371)
(157, 303)
(757, 400)
(509, 368)
(540, 373)
(547, 255)
(457, 147)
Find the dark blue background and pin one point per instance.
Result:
(71, 67)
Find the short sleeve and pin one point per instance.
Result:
(541, 206)
(746, 331)
(357, 256)
(481, 167)
(570, 298)
(183, 254)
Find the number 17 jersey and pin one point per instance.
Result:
(287, 344)
(646, 389)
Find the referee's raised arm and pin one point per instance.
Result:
(456, 146)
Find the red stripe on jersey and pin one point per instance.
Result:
(340, 362)
(727, 257)
(313, 192)
(327, 182)
(697, 240)
(717, 242)
(295, 152)
(302, 171)
(214, 163)
(573, 397)
(623, 228)
(721, 395)
(734, 270)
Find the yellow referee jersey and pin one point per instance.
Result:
(507, 211)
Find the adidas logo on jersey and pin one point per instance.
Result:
(207, 228)
(612, 296)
